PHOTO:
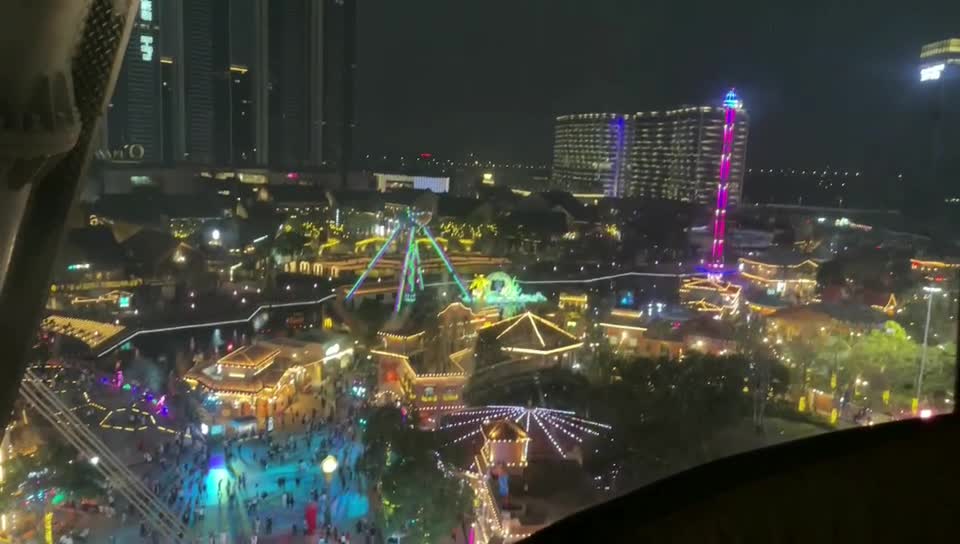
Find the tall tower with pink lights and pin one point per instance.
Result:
(731, 105)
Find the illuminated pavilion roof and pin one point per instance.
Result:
(254, 356)
(504, 429)
(530, 333)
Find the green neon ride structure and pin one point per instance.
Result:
(412, 223)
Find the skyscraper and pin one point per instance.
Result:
(199, 23)
(215, 81)
(673, 154)
(311, 78)
(940, 86)
(339, 70)
(135, 115)
(591, 151)
(239, 83)
(295, 84)
(676, 154)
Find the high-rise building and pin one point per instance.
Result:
(339, 70)
(135, 115)
(672, 154)
(294, 85)
(940, 92)
(199, 22)
(591, 153)
(240, 83)
(939, 58)
(677, 153)
(311, 78)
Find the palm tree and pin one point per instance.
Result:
(479, 287)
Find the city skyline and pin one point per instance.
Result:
(817, 89)
(672, 154)
(238, 83)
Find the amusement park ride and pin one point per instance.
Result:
(411, 229)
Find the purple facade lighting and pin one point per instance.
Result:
(619, 129)
(731, 104)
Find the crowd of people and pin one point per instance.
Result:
(261, 477)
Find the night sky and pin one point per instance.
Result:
(824, 81)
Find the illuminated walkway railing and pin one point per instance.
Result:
(120, 340)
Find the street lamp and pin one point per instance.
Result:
(329, 465)
(931, 290)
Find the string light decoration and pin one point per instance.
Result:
(562, 429)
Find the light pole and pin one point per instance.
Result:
(923, 352)
(328, 466)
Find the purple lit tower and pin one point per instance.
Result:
(731, 104)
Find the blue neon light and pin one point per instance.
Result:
(446, 261)
(731, 100)
(373, 263)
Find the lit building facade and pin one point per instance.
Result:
(792, 279)
(259, 379)
(626, 332)
(672, 154)
(940, 94)
(590, 153)
(134, 115)
(240, 83)
(677, 154)
(939, 58)
(428, 369)
(392, 182)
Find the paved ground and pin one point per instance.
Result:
(201, 478)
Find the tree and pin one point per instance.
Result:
(768, 378)
(939, 376)
(801, 353)
(59, 468)
(887, 358)
(479, 286)
(289, 243)
(421, 501)
(832, 350)
(662, 413)
(602, 370)
(830, 273)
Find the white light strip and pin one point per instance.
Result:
(464, 437)
(565, 425)
(549, 436)
(486, 410)
(213, 323)
(613, 277)
(563, 430)
(587, 421)
(555, 411)
(476, 419)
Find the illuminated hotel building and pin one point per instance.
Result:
(676, 154)
(590, 153)
(671, 154)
